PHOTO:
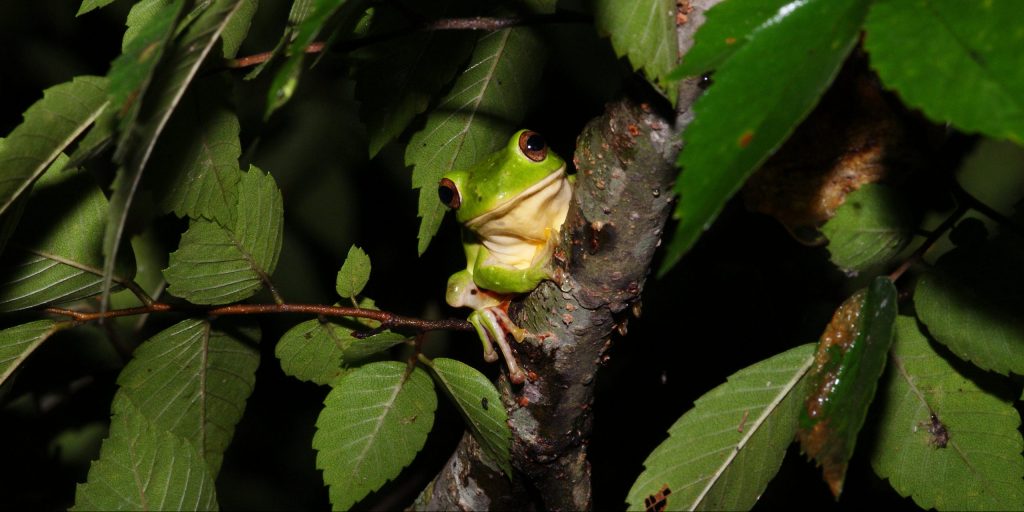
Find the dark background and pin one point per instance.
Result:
(746, 292)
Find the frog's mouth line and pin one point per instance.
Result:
(505, 207)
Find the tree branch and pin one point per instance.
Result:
(625, 166)
(481, 23)
(387, 319)
(622, 198)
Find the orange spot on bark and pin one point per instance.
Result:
(730, 40)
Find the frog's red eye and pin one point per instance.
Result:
(449, 193)
(533, 146)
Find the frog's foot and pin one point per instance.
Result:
(491, 325)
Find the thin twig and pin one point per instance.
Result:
(481, 23)
(259, 58)
(933, 237)
(986, 210)
(390, 320)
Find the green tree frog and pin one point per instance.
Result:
(511, 206)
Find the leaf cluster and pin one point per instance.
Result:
(148, 191)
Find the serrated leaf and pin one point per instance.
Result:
(869, 229)
(193, 381)
(354, 273)
(957, 65)
(143, 18)
(944, 438)
(721, 454)
(645, 32)
(793, 55)
(313, 351)
(150, 26)
(286, 80)
(971, 302)
(480, 404)
(395, 80)
(728, 26)
(96, 140)
(49, 126)
(217, 265)
(18, 342)
(373, 423)
(475, 119)
(196, 168)
(143, 467)
(850, 359)
(157, 104)
(56, 254)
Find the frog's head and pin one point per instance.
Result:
(503, 179)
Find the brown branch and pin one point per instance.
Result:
(387, 319)
(259, 58)
(480, 23)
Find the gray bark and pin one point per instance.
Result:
(625, 163)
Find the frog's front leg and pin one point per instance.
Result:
(491, 324)
(489, 318)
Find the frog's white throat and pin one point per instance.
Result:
(519, 232)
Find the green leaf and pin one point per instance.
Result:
(89, 5)
(944, 438)
(721, 454)
(144, 467)
(313, 351)
(49, 126)
(144, 18)
(196, 168)
(356, 349)
(869, 229)
(850, 359)
(971, 302)
(959, 66)
(481, 407)
(728, 26)
(287, 78)
(18, 342)
(56, 255)
(237, 28)
(396, 79)
(193, 382)
(482, 110)
(151, 26)
(354, 273)
(96, 140)
(792, 55)
(217, 265)
(645, 32)
(158, 103)
(373, 423)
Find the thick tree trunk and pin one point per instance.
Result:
(622, 198)
(625, 163)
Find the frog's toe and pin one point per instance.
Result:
(496, 323)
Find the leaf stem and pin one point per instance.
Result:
(387, 319)
(933, 237)
(976, 204)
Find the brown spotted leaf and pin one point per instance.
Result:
(850, 359)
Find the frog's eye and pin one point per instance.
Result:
(533, 146)
(449, 193)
